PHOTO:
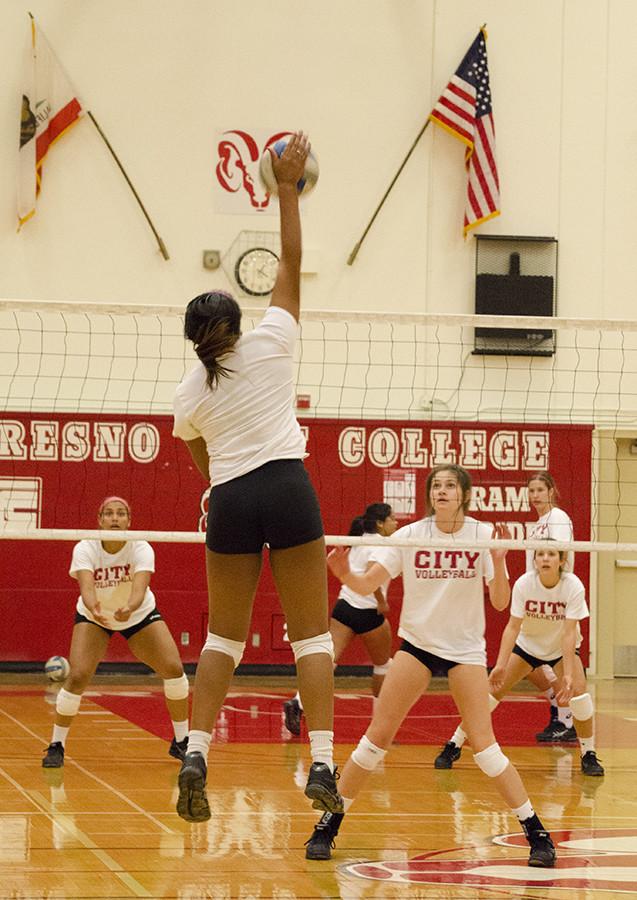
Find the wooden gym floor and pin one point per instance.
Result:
(105, 825)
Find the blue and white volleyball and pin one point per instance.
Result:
(57, 668)
(266, 173)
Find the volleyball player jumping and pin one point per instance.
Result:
(234, 411)
(442, 625)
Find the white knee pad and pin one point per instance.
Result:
(491, 760)
(382, 670)
(224, 645)
(320, 643)
(176, 688)
(67, 704)
(582, 707)
(493, 703)
(367, 755)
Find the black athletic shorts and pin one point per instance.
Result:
(534, 661)
(153, 616)
(436, 664)
(274, 504)
(359, 620)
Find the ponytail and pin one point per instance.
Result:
(213, 324)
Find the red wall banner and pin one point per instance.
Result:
(56, 469)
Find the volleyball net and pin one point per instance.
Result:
(87, 396)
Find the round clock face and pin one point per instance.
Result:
(255, 271)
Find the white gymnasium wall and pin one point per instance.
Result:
(360, 76)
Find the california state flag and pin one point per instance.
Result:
(49, 108)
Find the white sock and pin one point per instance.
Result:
(550, 696)
(587, 744)
(181, 730)
(322, 747)
(565, 716)
(525, 811)
(199, 742)
(297, 697)
(60, 734)
(459, 737)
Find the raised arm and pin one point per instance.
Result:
(499, 587)
(288, 169)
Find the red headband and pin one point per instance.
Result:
(110, 500)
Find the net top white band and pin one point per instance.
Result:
(199, 537)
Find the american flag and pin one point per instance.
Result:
(464, 110)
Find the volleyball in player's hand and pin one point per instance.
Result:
(266, 173)
(57, 668)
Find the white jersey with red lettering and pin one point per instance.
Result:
(443, 600)
(543, 612)
(555, 525)
(113, 576)
(359, 560)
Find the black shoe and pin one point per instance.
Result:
(321, 844)
(542, 855)
(192, 804)
(591, 765)
(178, 749)
(54, 758)
(293, 715)
(556, 732)
(568, 736)
(321, 788)
(449, 754)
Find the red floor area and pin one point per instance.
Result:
(257, 717)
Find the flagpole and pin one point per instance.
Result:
(357, 246)
(162, 246)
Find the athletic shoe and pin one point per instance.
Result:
(321, 788)
(321, 844)
(556, 732)
(178, 749)
(192, 804)
(542, 855)
(54, 758)
(449, 754)
(293, 715)
(590, 764)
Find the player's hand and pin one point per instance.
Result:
(122, 614)
(99, 616)
(496, 678)
(338, 561)
(289, 167)
(500, 533)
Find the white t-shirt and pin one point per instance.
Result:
(113, 575)
(359, 559)
(554, 525)
(443, 602)
(248, 419)
(543, 611)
